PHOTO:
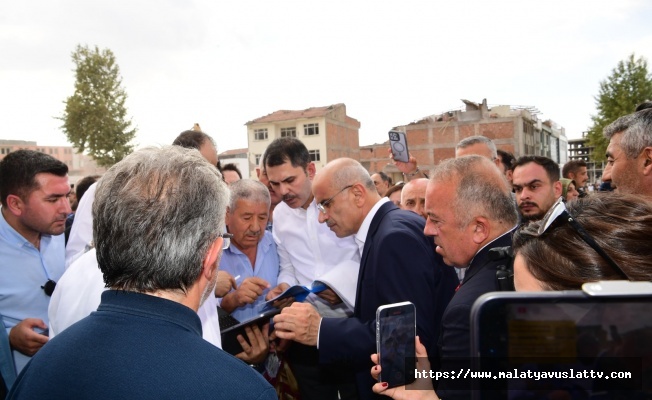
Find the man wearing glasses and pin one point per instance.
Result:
(399, 263)
(34, 189)
(307, 250)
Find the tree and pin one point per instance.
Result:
(628, 85)
(95, 116)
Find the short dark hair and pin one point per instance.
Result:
(644, 105)
(551, 167)
(286, 149)
(572, 167)
(232, 167)
(506, 158)
(84, 184)
(396, 188)
(192, 139)
(561, 260)
(18, 171)
(385, 177)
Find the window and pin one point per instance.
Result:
(260, 134)
(311, 129)
(289, 132)
(314, 155)
(257, 157)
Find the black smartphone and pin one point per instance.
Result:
(398, 143)
(396, 327)
(562, 331)
(230, 333)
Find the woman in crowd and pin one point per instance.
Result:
(599, 237)
(569, 189)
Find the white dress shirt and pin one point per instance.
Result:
(79, 291)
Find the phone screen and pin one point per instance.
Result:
(395, 343)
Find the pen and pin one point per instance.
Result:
(236, 278)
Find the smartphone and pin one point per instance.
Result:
(398, 143)
(396, 327)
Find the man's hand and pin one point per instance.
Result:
(280, 304)
(23, 338)
(299, 322)
(256, 350)
(248, 291)
(330, 296)
(225, 282)
(405, 167)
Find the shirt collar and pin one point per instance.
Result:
(11, 235)
(361, 235)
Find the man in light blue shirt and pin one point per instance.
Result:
(33, 189)
(252, 256)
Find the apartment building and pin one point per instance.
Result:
(515, 129)
(79, 165)
(328, 133)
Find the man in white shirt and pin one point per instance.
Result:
(307, 249)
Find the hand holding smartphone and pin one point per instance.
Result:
(395, 338)
(398, 143)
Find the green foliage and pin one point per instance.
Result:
(95, 118)
(628, 85)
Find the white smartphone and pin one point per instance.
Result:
(396, 327)
(398, 143)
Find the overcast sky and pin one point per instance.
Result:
(223, 63)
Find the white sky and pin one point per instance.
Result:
(223, 63)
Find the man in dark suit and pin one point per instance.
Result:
(470, 211)
(398, 263)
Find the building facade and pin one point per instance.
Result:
(328, 133)
(79, 165)
(579, 149)
(512, 128)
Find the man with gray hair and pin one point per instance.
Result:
(398, 264)
(470, 212)
(252, 256)
(629, 154)
(478, 145)
(158, 228)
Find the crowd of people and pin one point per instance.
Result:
(127, 303)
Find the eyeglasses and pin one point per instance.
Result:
(321, 206)
(227, 240)
(559, 212)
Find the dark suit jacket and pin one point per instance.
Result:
(455, 338)
(398, 263)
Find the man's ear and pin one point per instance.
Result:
(647, 164)
(227, 216)
(557, 189)
(15, 204)
(210, 260)
(480, 229)
(311, 170)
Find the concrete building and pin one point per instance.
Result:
(579, 149)
(327, 132)
(79, 165)
(515, 129)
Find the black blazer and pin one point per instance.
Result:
(398, 263)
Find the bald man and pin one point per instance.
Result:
(413, 196)
(399, 263)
